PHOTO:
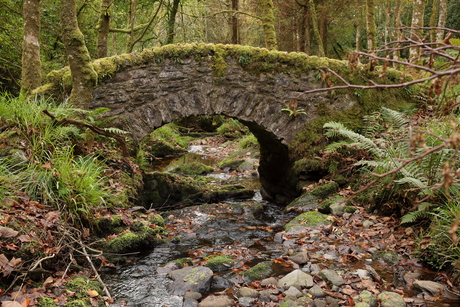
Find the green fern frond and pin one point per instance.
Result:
(412, 181)
(415, 215)
(371, 124)
(396, 119)
(333, 147)
(338, 129)
(115, 130)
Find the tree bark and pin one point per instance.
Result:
(434, 19)
(314, 22)
(442, 19)
(235, 35)
(371, 30)
(31, 65)
(84, 77)
(132, 20)
(172, 21)
(418, 11)
(103, 28)
(268, 23)
(305, 30)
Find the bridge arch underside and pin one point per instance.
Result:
(146, 97)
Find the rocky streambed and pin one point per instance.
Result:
(255, 253)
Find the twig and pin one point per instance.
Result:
(121, 140)
(98, 277)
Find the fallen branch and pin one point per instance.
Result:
(121, 140)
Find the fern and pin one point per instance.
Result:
(339, 130)
(424, 211)
(396, 119)
(115, 130)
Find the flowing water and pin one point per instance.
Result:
(245, 228)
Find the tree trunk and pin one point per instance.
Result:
(418, 11)
(268, 23)
(31, 65)
(359, 27)
(84, 77)
(314, 22)
(235, 22)
(132, 20)
(370, 22)
(397, 32)
(172, 21)
(103, 28)
(434, 19)
(442, 19)
(305, 30)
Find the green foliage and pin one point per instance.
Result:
(436, 245)
(45, 166)
(390, 140)
(232, 128)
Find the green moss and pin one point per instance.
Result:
(156, 219)
(141, 237)
(326, 189)
(194, 168)
(46, 302)
(78, 303)
(311, 218)
(219, 263)
(105, 226)
(230, 163)
(259, 271)
(350, 209)
(182, 261)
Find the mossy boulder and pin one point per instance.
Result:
(258, 272)
(312, 218)
(219, 263)
(325, 189)
(159, 148)
(108, 225)
(140, 237)
(195, 168)
(325, 206)
(46, 302)
(303, 203)
(231, 164)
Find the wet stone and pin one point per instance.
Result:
(269, 281)
(297, 279)
(391, 299)
(190, 279)
(247, 292)
(217, 301)
(319, 303)
(316, 291)
(410, 277)
(246, 301)
(267, 296)
(332, 277)
(292, 292)
(299, 258)
(366, 297)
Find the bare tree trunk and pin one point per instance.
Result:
(268, 23)
(314, 22)
(434, 19)
(418, 11)
(103, 28)
(304, 31)
(31, 65)
(442, 19)
(359, 26)
(84, 77)
(132, 21)
(370, 22)
(172, 21)
(397, 32)
(235, 36)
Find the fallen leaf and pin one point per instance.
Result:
(92, 293)
(6, 232)
(11, 304)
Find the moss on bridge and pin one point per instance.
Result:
(252, 59)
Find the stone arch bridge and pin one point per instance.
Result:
(158, 86)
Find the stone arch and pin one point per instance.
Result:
(148, 96)
(157, 86)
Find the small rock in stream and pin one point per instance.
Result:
(391, 299)
(316, 291)
(332, 277)
(217, 301)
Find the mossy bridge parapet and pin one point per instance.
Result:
(157, 86)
